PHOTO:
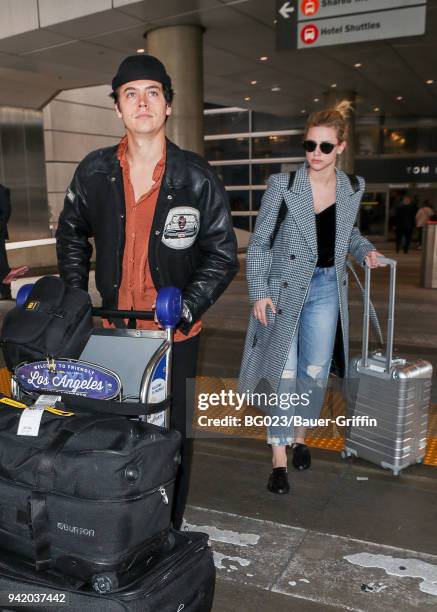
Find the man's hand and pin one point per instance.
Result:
(156, 318)
(372, 261)
(259, 310)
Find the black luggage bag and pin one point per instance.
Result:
(89, 496)
(179, 580)
(55, 321)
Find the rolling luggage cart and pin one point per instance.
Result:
(130, 370)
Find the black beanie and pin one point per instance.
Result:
(139, 68)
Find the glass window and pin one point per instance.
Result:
(232, 148)
(367, 140)
(257, 195)
(261, 172)
(400, 140)
(243, 223)
(239, 200)
(277, 146)
(263, 122)
(233, 175)
(226, 123)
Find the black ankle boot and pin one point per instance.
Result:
(278, 481)
(301, 456)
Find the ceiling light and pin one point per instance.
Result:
(358, 65)
(334, 85)
(140, 50)
(253, 82)
(430, 82)
(247, 98)
(276, 88)
(376, 109)
(399, 98)
(316, 99)
(263, 58)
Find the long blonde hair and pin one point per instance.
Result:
(332, 117)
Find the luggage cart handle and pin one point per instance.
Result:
(392, 263)
(144, 315)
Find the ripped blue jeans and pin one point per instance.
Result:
(306, 370)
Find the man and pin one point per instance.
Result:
(405, 221)
(7, 275)
(159, 217)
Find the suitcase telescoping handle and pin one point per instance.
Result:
(388, 357)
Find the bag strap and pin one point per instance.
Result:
(282, 211)
(89, 405)
(355, 183)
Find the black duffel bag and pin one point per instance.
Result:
(55, 321)
(89, 496)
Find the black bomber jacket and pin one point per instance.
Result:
(192, 244)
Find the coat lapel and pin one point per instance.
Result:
(346, 210)
(300, 204)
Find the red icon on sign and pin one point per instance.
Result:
(309, 34)
(309, 7)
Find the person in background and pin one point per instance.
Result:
(405, 222)
(159, 217)
(423, 215)
(298, 286)
(7, 274)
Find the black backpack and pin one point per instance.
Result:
(55, 321)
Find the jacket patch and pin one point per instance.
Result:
(70, 194)
(181, 227)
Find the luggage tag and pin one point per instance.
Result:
(30, 419)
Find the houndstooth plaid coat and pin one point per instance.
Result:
(285, 271)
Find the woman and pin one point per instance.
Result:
(298, 285)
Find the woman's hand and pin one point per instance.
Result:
(259, 310)
(372, 261)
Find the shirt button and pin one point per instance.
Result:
(121, 216)
(279, 311)
(115, 286)
(285, 285)
(113, 179)
(344, 282)
(292, 257)
(169, 197)
(157, 232)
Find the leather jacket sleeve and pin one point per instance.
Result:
(217, 243)
(72, 236)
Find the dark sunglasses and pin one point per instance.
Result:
(311, 145)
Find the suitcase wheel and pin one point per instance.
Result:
(104, 583)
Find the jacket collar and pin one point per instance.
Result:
(175, 176)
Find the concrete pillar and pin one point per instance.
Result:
(180, 49)
(346, 160)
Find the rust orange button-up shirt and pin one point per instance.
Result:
(137, 291)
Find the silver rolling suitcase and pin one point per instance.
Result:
(388, 398)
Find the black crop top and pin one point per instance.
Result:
(325, 226)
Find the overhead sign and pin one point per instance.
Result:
(401, 170)
(303, 24)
